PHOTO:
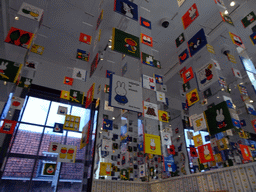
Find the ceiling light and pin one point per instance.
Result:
(218, 97)
(241, 83)
(110, 40)
(232, 3)
(113, 118)
(101, 59)
(251, 101)
(226, 12)
(16, 18)
(109, 46)
(222, 89)
(5, 82)
(229, 89)
(170, 125)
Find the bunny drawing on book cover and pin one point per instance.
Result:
(220, 118)
(207, 154)
(121, 93)
(152, 144)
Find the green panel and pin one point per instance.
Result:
(9, 70)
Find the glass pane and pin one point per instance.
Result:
(14, 185)
(54, 117)
(18, 168)
(74, 138)
(50, 136)
(36, 111)
(27, 139)
(83, 113)
(72, 187)
(72, 171)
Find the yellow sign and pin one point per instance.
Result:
(198, 141)
(72, 123)
(152, 144)
(37, 49)
(231, 58)
(163, 116)
(210, 49)
(105, 168)
(192, 97)
(65, 95)
(222, 144)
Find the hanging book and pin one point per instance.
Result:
(190, 16)
(82, 55)
(150, 110)
(38, 49)
(197, 42)
(85, 38)
(145, 23)
(9, 71)
(147, 40)
(31, 11)
(127, 8)
(248, 19)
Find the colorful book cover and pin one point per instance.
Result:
(222, 82)
(236, 40)
(106, 145)
(253, 38)
(227, 19)
(68, 81)
(125, 43)
(49, 169)
(94, 64)
(192, 97)
(193, 152)
(166, 138)
(147, 59)
(106, 89)
(8, 126)
(222, 144)
(157, 64)
(76, 96)
(197, 42)
(19, 37)
(145, 23)
(67, 154)
(198, 140)
(218, 118)
(127, 8)
(89, 96)
(64, 94)
(31, 12)
(163, 116)
(109, 73)
(205, 153)
(150, 110)
(183, 56)
(107, 124)
(242, 89)
(85, 38)
(180, 40)
(17, 103)
(124, 174)
(9, 71)
(160, 96)
(152, 144)
(198, 122)
(38, 49)
(237, 73)
(82, 55)
(246, 153)
(25, 82)
(190, 16)
(105, 169)
(159, 79)
(248, 19)
(186, 86)
(147, 40)
(79, 74)
(58, 128)
(72, 123)
(187, 75)
(149, 82)
(30, 64)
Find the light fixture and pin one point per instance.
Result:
(16, 18)
(170, 125)
(113, 118)
(232, 3)
(5, 82)
(229, 89)
(110, 40)
(101, 59)
(109, 46)
(101, 128)
(241, 83)
(251, 101)
(218, 97)
(222, 89)
(226, 12)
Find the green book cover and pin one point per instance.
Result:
(76, 96)
(248, 19)
(25, 82)
(125, 43)
(180, 40)
(157, 64)
(49, 169)
(9, 71)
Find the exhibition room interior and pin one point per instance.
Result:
(127, 95)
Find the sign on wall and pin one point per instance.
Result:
(197, 42)
(127, 8)
(150, 110)
(190, 16)
(149, 82)
(31, 11)
(125, 94)
(152, 144)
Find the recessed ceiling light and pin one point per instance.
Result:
(5, 82)
(218, 97)
(17, 18)
(113, 118)
(232, 3)
(251, 101)
(222, 89)
(226, 12)
(109, 46)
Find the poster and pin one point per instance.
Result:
(163, 116)
(205, 153)
(159, 79)
(145, 23)
(107, 124)
(192, 97)
(90, 96)
(198, 122)
(85, 135)
(30, 64)
(82, 55)
(152, 144)
(94, 64)
(58, 128)
(106, 145)
(147, 40)
(180, 2)
(72, 123)
(198, 140)
(79, 74)
(190, 134)
(125, 94)
(49, 169)
(218, 118)
(125, 43)
(105, 169)
(166, 138)
(206, 76)
(9, 71)
(68, 81)
(124, 174)
(19, 37)
(160, 96)
(150, 110)
(180, 40)
(147, 59)
(64, 94)
(222, 144)
(236, 40)
(30, 11)
(76, 96)
(67, 153)
(246, 153)
(248, 19)
(197, 42)
(183, 56)
(142, 170)
(127, 8)
(25, 82)
(149, 82)
(190, 16)
(8, 126)
(229, 102)
(107, 107)
(85, 38)
(38, 49)
(187, 75)
(17, 103)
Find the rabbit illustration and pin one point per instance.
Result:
(27, 83)
(3, 67)
(250, 18)
(127, 10)
(152, 144)
(108, 170)
(207, 154)
(39, 50)
(149, 60)
(152, 83)
(71, 125)
(75, 94)
(121, 93)
(76, 126)
(67, 124)
(246, 152)
(220, 118)
(192, 13)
